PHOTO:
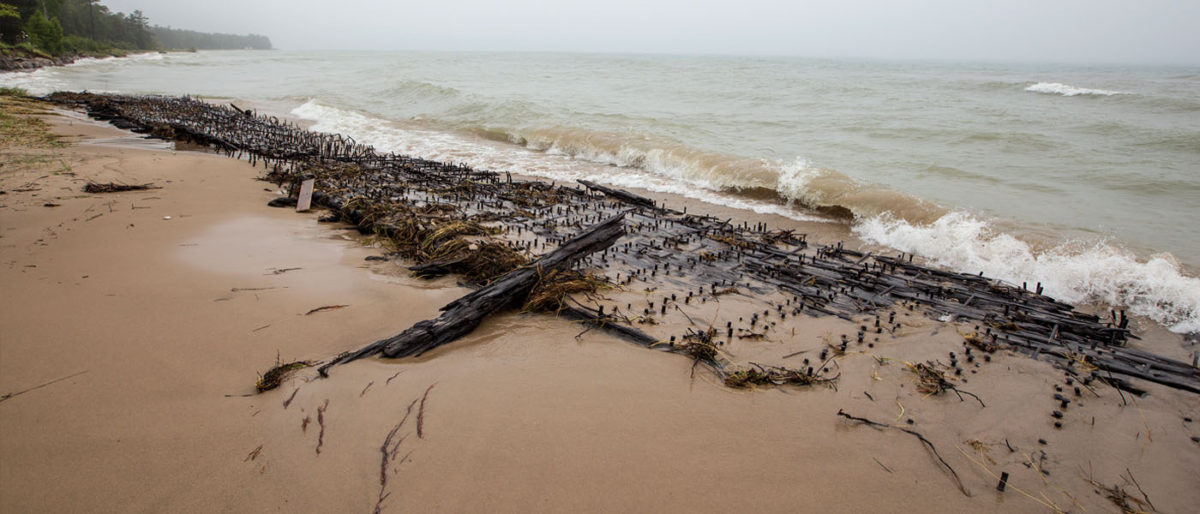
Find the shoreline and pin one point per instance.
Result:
(27, 61)
(521, 396)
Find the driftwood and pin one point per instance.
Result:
(625, 196)
(113, 187)
(461, 316)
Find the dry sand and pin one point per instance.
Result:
(162, 326)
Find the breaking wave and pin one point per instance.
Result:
(1055, 88)
(1099, 273)
(1094, 273)
(494, 150)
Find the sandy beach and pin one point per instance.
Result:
(146, 316)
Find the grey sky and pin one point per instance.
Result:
(1122, 31)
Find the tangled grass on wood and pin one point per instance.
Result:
(929, 379)
(555, 288)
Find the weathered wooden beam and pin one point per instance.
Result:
(625, 196)
(461, 316)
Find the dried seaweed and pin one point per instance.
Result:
(556, 287)
(278, 374)
(933, 381)
(914, 433)
(777, 376)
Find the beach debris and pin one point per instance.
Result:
(8, 396)
(421, 412)
(389, 450)
(461, 316)
(1128, 503)
(288, 401)
(914, 433)
(981, 342)
(555, 288)
(699, 345)
(777, 375)
(624, 196)
(321, 423)
(282, 201)
(278, 374)
(325, 308)
(113, 187)
(932, 381)
(253, 454)
(304, 201)
(405, 202)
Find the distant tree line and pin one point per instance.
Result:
(179, 39)
(58, 27)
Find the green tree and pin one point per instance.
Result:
(45, 34)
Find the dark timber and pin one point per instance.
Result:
(683, 260)
(461, 316)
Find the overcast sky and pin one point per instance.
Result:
(1119, 31)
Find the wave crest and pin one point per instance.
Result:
(1055, 88)
(1096, 273)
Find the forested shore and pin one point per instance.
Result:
(37, 33)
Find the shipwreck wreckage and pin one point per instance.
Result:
(551, 247)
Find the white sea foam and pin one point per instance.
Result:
(44, 81)
(546, 162)
(1055, 88)
(38, 82)
(1097, 273)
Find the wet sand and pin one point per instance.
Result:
(163, 324)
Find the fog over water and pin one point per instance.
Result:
(1106, 31)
